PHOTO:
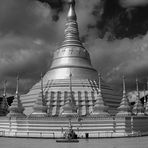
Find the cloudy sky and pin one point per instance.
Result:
(113, 31)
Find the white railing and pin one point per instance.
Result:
(53, 135)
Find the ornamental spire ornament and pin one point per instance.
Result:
(71, 28)
(4, 91)
(124, 108)
(144, 98)
(146, 107)
(4, 103)
(16, 109)
(146, 101)
(69, 108)
(40, 108)
(138, 108)
(99, 109)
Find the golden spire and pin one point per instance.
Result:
(71, 28)
(70, 82)
(147, 83)
(144, 98)
(40, 108)
(17, 86)
(42, 84)
(124, 89)
(99, 109)
(69, 108)
(124, 108)
(71, 13)
(137, 88)
(16, 109)
(4, 103)
(99, 91)
(138, 107)
(4, 91)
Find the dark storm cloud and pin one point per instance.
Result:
(115, 35)
(108, 18)
(26, 43)
(133, 3)
(126, 56)
(119, 22)
(56, 5)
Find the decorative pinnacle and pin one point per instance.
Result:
(144, 96)
(4, 93)
(41, 82)
(17, 85)
(71, 12)
(42, 85)
(124, 89)
(137, 86)
(71, 28)
(147, 83)
(70, 77)
(99, 82)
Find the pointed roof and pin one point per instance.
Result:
(4, 103)
(69, 108)
(71, 28)
(4, 89)
(99, 109)
(138, 108)
(144, 98)
(124, 108)
(16, 109)
(40, 108)
(146, 101)
(146, 108)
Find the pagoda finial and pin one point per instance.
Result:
(16, 109)
(70, 85)
(71, 28)
(4, 91)
(147, 84)
(137, 87)
(17, 85)
(4, 103)
(99, 108)
(124, 107)
(42, 84)
(71, 13)
(144, 98)
(124, 89)
(99, 83)
(138, 108)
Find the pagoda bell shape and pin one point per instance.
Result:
(71, 55)
(40, 108)
(138, 108)
(16, 109)
(99, 109)
(4, 104)
(124, 109)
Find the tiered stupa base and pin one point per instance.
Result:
(101, 115)
(16, 115)
(53, 127)
(123, 114)
(38, 115)
(84, 92)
